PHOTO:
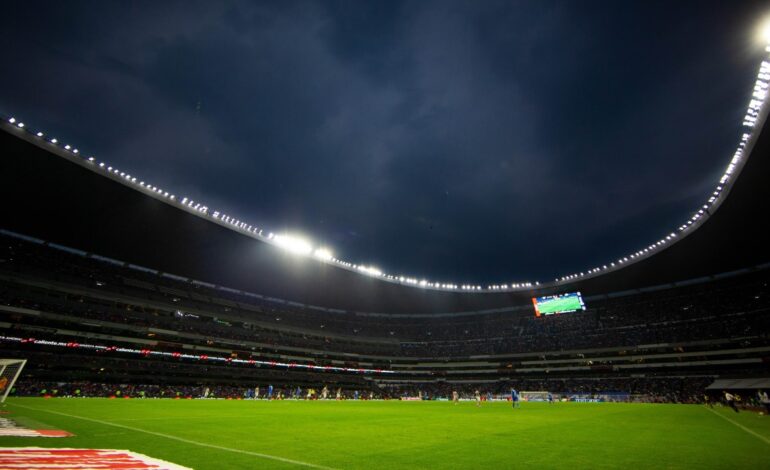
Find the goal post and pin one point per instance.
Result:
(10, 369)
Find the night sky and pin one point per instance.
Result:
(460, 141)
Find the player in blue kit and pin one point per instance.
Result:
(514, 398)
(550, 398)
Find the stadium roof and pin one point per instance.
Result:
(52, 198)
(514, 167)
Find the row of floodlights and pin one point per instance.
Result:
(758, 100)
(301, 246)
(291, 243)
(21, 125)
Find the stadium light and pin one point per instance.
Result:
(324, 254)
(293, 244)
(370, 270)
(763, 32)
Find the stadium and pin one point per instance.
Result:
(142, 328)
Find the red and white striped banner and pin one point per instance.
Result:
(15, 458)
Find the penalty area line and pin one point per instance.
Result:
(186, 441)
(755, 434)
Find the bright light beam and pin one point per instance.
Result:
(764, 31)
(323, 254)
(293, 244)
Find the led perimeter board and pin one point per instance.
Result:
(561, 303)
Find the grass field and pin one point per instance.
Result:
(224, 434)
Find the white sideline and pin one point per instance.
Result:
(181, 439)
(767, 441)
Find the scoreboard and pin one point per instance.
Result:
(561, 303)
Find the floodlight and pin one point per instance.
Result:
(764, 31)
(323, 254)
(293, 244)
(371, 270)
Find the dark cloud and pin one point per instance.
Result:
(491, 141)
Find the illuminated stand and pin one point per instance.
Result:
(10, 369)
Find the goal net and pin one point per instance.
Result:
(10, 369)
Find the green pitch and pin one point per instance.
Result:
(562, 304)
(427, 435)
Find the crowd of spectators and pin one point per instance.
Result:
(651, 390)
(108, 293)
(89, 389)
(680, 389)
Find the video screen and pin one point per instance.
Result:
(562, 303)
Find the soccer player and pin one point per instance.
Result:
(455, 397)
(478, 398)
(764, 400)
(514, 398)
(324, 392)
(270, 392)
(730, 399)
(550, 398)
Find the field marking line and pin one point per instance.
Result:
(755, 434)
(186, 441)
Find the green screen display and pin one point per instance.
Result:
(562, 303)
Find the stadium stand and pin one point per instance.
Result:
(664, 344)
